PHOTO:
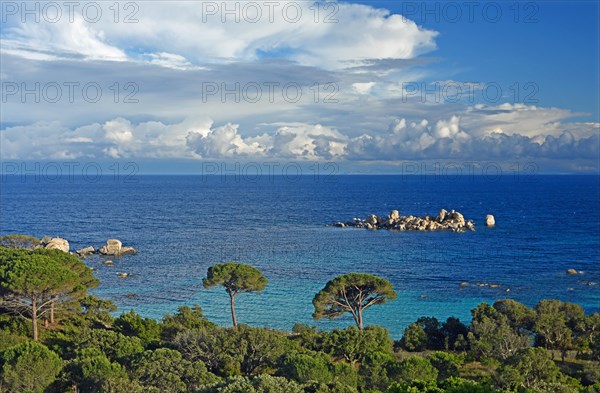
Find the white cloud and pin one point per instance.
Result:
(200, 139)
(169, 60)
(223, 142)
(363, 88)
(48, 41)
(118, 131)
(367, 55)
(528, 120)
(182, 32)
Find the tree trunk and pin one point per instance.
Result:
(34, 318)
(52, 312)
(360, 320)
(233, 318)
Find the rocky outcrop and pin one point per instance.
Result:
(55, 243)
(114, 247)
(127, 250)
(86, 251)
(490, 221)
(445, 221)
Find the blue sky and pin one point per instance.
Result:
(364, 81)
(552, 43)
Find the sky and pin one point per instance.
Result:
(369, 85)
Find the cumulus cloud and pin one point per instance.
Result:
(223, 142)
(180, 32)
(201, 139)
(295, 141)
(116, 138)
(528, 120)
(447, 140)
(367, 56)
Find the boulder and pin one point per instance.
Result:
(456, 216)
(372, 219)
(86, 250)
(394, 215)
(572, 272)
(112, 247)
(55, 243)
(490, 221)
(127, 250)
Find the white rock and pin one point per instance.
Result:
(490, 221)
(57, 243)
(86, 250)
(372, 219)
(112, 247)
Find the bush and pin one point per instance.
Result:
(447, 364)
(414, 338)
(92, 369)
(354, 345)
(184, 319)
(115, 346)
(133, 325)
(375, 370)
(260, 384)
(166, 370)
(29, 367)
(415, 368)
(303, 367)
(533, 369)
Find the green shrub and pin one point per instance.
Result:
(29, 367)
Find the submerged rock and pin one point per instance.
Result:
(445, 221)
(572, 272)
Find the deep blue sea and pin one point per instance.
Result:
(183, 224)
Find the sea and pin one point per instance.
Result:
(181, 225)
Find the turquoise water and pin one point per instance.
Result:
(183, 224)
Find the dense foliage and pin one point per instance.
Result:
(508, 347)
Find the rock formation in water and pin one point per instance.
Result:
(55, 243)
(114, 247)
(444, 221)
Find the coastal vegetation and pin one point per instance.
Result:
(352, 293)
(236, 278)
(55, 337)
